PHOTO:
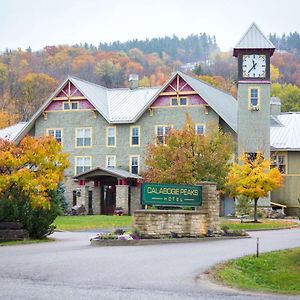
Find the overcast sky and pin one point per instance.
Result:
(38, 23)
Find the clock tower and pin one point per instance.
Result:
(253, 52)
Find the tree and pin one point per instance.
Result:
(35, 88)
(29, 182)
(32, 168)
(253, 178)
(188, 158)
(7, 119)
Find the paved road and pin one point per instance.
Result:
(71, 269)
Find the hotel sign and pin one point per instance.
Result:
(171, 194)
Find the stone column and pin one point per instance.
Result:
(210, 204)
(122, 197)
(96, 200)
(135, 202)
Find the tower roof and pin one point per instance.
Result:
(253, 39)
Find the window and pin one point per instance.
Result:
(56, 133)
(182, 101)
(251, 156)
(82, 164)
(110, 161)
(134, 136)
(199, 128)
(70, 105)
(134, 164)
(254, 98)
(161, 133)
(83, 137)
(279, 161)
(111, 136)
(174, 101)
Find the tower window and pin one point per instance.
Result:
(254, 99)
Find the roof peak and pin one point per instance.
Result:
(253, 38)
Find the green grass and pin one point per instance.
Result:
(271, 272)
(24, 242)
(263, 224)
(91, 222)
(73, 223)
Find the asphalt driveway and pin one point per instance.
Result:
(70, 268)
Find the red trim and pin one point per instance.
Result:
(81, 182)
(119, 181)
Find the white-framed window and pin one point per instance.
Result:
(254, 102)
(279, 161)
(181, 101)
(72, 105)
(84, 137)
(111, 136)
(57, 133)
(200, 129)
(161, 132)
(110, 161)
(134, 161)
(82, 164)
(134, 136)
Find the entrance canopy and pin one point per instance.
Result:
(108, 175)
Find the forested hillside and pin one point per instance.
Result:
(27, 78)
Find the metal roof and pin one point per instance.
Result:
(222, 103)
(114, 172)
(286, 137)
(124, 105)
(9, 133)
(253, 39)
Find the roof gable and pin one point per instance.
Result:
(253, 39)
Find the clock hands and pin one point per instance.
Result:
(253, 67)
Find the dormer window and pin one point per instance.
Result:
(181, 101)
(70, 105)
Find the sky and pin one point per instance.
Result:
(38, 23)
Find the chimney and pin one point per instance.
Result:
(275, 106)
(133, 81)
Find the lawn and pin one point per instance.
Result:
(108, 222)
(263, 224)
(271, 272)
(91, 222)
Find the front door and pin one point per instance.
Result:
(108, 201)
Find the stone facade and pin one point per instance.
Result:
(154, 223)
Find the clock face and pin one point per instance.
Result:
(254, 66)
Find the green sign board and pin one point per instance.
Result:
(171, 194)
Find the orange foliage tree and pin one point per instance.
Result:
(31, 169)
(253, 178)
(188, 158)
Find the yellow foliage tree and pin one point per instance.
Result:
(31, 169)
(7, 119)
(253, 178)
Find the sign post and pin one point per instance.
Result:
(171, 194)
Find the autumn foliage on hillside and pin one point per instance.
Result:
(28, 78)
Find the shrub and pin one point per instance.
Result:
(36, 220)
(243, 206)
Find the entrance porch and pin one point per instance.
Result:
(102, 190)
